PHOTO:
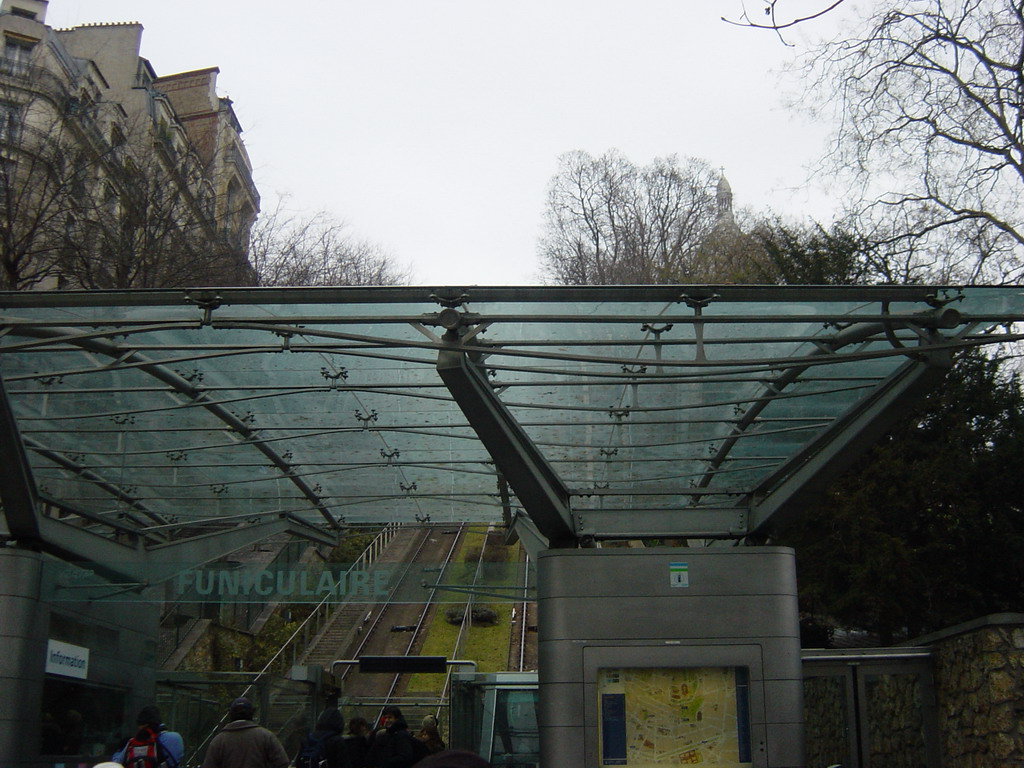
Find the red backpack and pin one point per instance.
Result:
(144, 750)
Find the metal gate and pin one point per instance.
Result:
(870, 709)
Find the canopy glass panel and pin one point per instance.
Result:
(168, 410)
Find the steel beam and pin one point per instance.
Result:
(689, 522)
(17, 488)
(96, 479)
(126, 563)
(802, 479)
(535, 482)
(526, 532)
(666, 293)
(92, 343)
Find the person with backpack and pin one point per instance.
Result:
(152, 746)
(325, 746)
(394, 746)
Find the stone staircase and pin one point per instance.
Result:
(290, 714)
(338, 636)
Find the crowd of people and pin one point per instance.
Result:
(392, 745)
(242, 743)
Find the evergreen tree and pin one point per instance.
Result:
(926, 530)
(812, 255)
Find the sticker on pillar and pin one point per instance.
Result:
(679, 574)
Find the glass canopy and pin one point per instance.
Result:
(663, 410)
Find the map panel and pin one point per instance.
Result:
(687, 716)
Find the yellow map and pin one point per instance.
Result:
(677, 716)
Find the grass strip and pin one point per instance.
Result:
(486, 645)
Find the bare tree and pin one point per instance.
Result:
(930, 102)
(78, 211)
(611, 222)
(45, 171)
(778, 15)
(89, 201)
(143, 226)
(288, 249)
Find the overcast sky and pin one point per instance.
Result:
(433, 127)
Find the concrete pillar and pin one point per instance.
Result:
(24, 621)
(669, 655)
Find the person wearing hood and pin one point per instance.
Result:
(326, 742)
(393, 746)
(244, 744)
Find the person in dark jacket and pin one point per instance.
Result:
(357, 741)
(243, 744)
(393, 746)
(327, 739)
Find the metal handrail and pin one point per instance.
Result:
(320, 616)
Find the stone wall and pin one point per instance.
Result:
(825, 721)
(892, 699)
(895, 719)
(953, 699)
(979, 680)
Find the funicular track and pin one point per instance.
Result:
(522, 646)
(396, 626)
(436, 705)
(369, 693)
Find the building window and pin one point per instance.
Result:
(17, 54)
(206, 200)
(78, 182)
(25, 13)
(117, 142)
(111, 201)
(10, 122)
(234, 198)
(8, 168)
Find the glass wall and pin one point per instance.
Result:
(496, 717)
(81, 719)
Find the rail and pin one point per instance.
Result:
(467, 620)
(382, 609)
(522, 629)
(423, 616)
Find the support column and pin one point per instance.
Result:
(539, 488)
(24, 623)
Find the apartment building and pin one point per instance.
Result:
(111, 176)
